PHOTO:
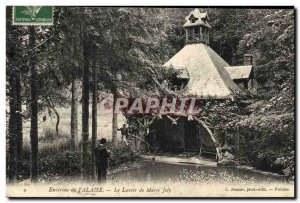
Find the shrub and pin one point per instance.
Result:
(49, 135)
(288, 163)
(120, 154)
(268, 142)
(59, 159)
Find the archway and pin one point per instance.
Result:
(199, 138)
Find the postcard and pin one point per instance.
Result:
(150, 102)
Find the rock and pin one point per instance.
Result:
(227, 148)
(229, 156)
(25, 182)
(226, 162)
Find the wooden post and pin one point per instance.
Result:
(207, 37)
(186, 36)
(237, 141)
(204, 36)
(193, 33)
(201, 35)
(199, 141)
(200, 149)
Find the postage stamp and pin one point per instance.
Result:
(33, 15)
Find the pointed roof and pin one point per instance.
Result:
(196, 18)
(208, 76)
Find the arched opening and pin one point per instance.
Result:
(199, 139)
(186, 136)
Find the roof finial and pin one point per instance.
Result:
(196, 26)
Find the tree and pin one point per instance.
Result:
(23, 56)
(114, 121)
(15, 49)
(228, 27)
(33, 108)
(70, 47)
(94, 113)
(11, 93)
(35, 93)
(12, 130)
(271, 41)
(129, 43)
(72, 58)
(74, 115)
(142, 125)
(19, 120)
(85, 164)
(269, 146)
(122, 40)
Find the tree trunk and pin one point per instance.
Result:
(51, 105)
(85, 113)
(141, 142)
(34, 110)
(94, 122)
(15, 136)
(19, 122)
(74, 116)
(114, 122)
(237, 142)
(12, 130)
(57, 121)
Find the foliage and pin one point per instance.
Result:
(213, 176)
(288, 163)
(228, 27)
(265, 122)
(271, 41)
(120, 154)
(269, 135)
(60, 159)
(54, 160)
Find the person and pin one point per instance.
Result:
(102, 155)
(124, 133)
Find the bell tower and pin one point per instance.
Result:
(197, 27)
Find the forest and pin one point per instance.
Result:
(58, 72)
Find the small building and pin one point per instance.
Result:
(204, 75)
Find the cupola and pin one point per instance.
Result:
(197, 27)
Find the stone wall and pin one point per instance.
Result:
(172, 137)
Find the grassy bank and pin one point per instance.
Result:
(57, 158)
